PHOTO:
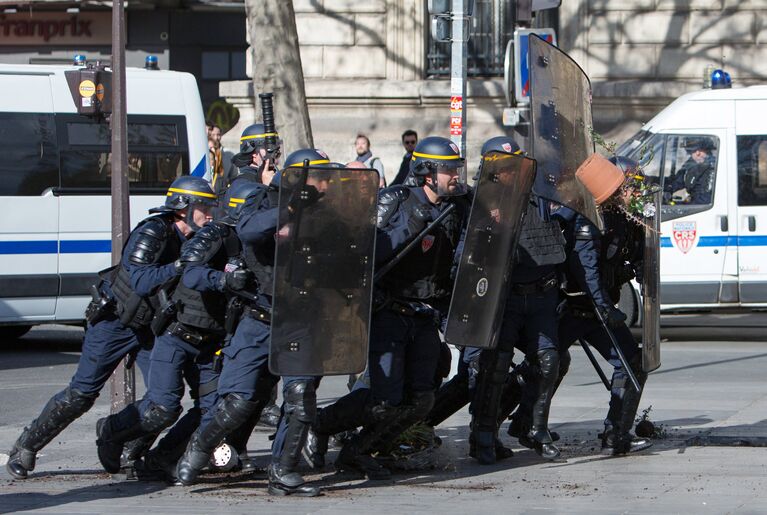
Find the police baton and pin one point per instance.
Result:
(594, 362)
(618, 351)
(404, 252)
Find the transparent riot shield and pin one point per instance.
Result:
(651, 289)
(479, 293)
(323, 271)
(561, 137)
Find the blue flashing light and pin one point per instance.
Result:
(78, 60)
(150, 63)
(720, 79)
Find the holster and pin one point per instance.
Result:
(234, 312)
(99, 307)
(164, 315)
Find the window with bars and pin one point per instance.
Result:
(492, 26)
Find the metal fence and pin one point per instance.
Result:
(491, 28)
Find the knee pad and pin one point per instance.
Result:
(422, 403)
(233, 411)
(156, 418)
(73, 403)
(548, 361)
(301, 400)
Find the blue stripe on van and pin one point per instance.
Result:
(85, 246)
(723, 241)
(29, 247)
(199, 170)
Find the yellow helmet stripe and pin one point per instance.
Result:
(433, 156)
(231, 204)
(237, 200)
(317, 162)
(257, 136)
(171, 191)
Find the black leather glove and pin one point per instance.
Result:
(419, 218)
(614, 317)
(237, 279)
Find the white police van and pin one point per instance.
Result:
(708, 151)
(55, 205)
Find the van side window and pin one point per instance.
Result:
(689, 171)
(752, 170)
(29, 163)
(157, 154)
(646, 149)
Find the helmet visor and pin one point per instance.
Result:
(448, 180)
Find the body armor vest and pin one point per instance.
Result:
(133, 310)
(206, 310)
(622, 243)
(260, 260)
(540, 241)
(424, 273)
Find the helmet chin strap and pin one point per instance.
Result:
(190, 218)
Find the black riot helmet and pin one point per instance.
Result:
(254, 137)
(503, 144)
(314, 156)
(235, 199)
(432, 155)
(186, 192)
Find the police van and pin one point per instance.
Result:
(708, 152)
(55, 204)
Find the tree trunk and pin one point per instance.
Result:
(277, 68)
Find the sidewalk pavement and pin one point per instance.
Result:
(708, 399)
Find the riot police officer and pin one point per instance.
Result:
(529, 324)
(404, 341)
(299, 392)
(599, 264)
(459, 390)
(245, 383)
(254, 162)
(187, 345)
(118, 318)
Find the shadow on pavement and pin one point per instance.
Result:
(41, 347)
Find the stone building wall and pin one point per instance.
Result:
(364, 64)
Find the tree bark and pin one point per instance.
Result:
(277, 68)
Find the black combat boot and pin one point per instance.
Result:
(60, 411)
(618, 440)
(231, 412)
(347, 413)
(299, 412)
(115, 430)
(543, 443)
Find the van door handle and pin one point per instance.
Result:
(724, 225)
(751, 223)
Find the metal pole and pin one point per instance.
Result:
(594, 363)
(458, 53)
(122, 383)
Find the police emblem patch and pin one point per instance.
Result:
(454, 147)
(482, 287)
(685, 235)
(426, 243)
(506, 147)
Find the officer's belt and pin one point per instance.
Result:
(541, 285)
(410, 309)
(576, 312)
(259, 313)
(192, 336)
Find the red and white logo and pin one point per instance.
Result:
(426, 243)
(454, 147)
(506, 147)
(685, 235)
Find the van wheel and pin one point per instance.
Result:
(13, 332)
(629, 305)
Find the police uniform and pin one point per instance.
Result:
(118, 323)
(186, 349)
(404, 342)
(245, 383)
(598, 265)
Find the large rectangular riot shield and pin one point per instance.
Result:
(323, 271)
(651, 288)
(479, 293)
(561, 133)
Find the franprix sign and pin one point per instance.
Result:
(56, 29)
